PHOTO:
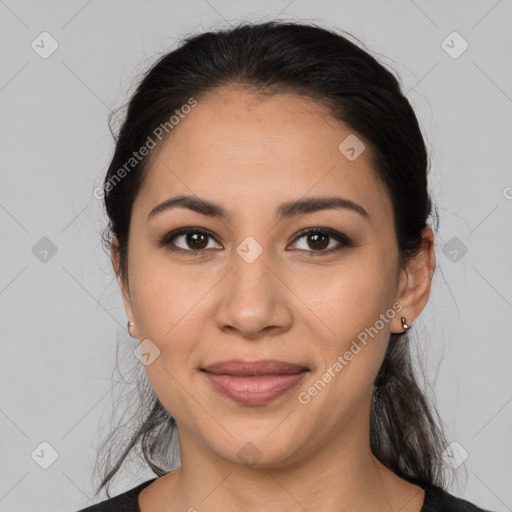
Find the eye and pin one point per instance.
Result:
(193, 240)
(318, 238)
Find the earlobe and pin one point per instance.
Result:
(405, 325)
(415, 281)
(114, 257)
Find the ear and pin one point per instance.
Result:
(125, 291)
(415, 281)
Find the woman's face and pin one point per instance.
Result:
(255, 289)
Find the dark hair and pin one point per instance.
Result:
(405, 432)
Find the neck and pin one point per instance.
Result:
(332, 478)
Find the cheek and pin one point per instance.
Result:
(162, 293)
(353, 344)
(348, 297)
(168, 313)
(351, 337)
(172, 304)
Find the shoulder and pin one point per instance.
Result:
(439, 500)
(125, 502)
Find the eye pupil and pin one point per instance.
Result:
(316, 237)
(194, 237)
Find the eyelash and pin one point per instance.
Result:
(345, 241)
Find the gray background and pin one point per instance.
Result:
(61, 319)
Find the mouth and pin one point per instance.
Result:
(254, 383)
(237, 367)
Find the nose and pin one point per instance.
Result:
(254, 299)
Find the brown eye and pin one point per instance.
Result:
(187, 240)
(319, 240)
(196, 240)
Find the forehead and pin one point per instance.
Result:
(250, 148)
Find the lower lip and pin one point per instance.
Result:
(254, 390)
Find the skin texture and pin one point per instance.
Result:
(249, 153)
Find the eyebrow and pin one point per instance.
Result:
(284, 211)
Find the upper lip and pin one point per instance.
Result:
(262, 367)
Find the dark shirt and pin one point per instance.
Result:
(436, 500)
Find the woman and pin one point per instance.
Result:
(269, 213)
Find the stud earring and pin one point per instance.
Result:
(128, 325)
(405, 325)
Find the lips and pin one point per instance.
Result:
(254, 382)
(238, 367)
